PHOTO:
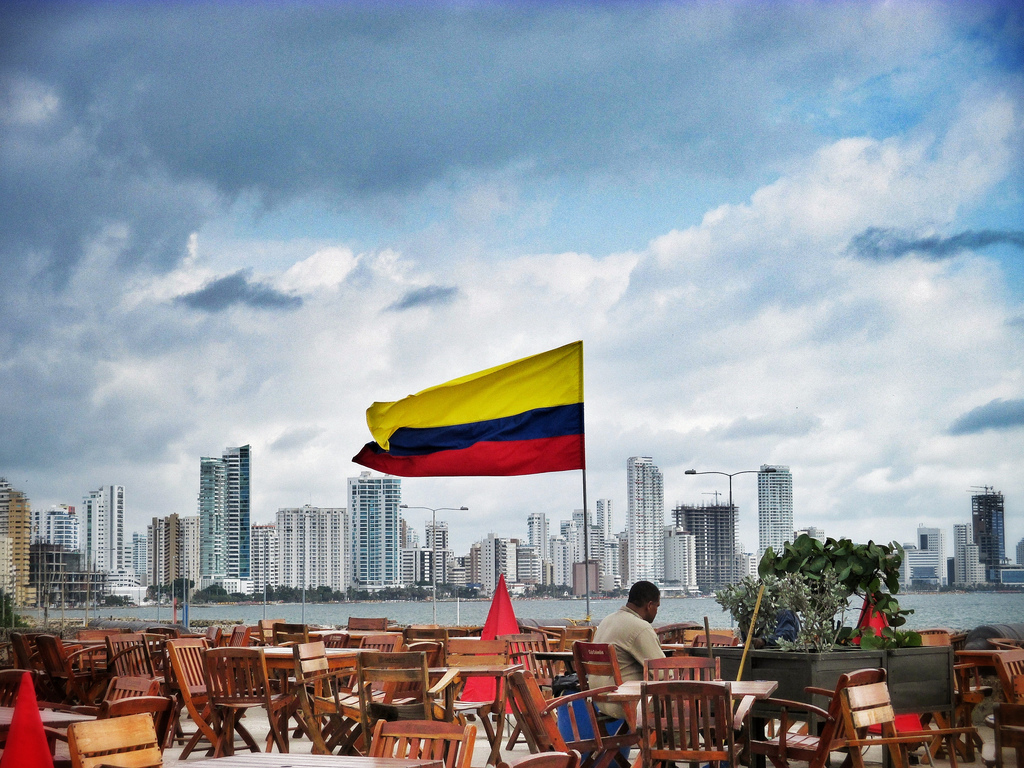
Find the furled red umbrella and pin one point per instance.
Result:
(26, 740)
(501, 620)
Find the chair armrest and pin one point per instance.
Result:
(799, 705)
(561, 701)
(451, 677)
(820, 691)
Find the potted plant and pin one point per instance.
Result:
(818, 580)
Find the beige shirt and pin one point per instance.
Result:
(634, 640)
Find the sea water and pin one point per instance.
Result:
(959, 611)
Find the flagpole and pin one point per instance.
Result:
(586, 543)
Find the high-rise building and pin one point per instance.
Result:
(312, 546)
(774, 508)
(1020, 552)
(813, 531)
(497, 558)
(101, 525)
(924, 562)
(57, 525)
(265, 557)
(16, 529)
(373, 502)
(714, 530)
(561, 562)
(645, 520)
(529, 569)
(174, 549)
(989, 530)
(680, 559)
(537, 534)
(967, 567)
(224, 500)
(139, 559)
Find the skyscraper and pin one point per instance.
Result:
(265, 557)
(101, 527)
(989, 531)
(373, 516)
(645, 520)
(311, 542)
(224, 515)
(537, 534)
(774, 508)
(714, 531)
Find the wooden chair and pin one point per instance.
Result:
(356, 623)
(868, 705)
(450, 743)
(432, 633)
(385, 643)
(160, 708)
(263, 632)
(1010, 668)
(130, 687)
(170, 633)
(544, 760)
(75, 674)
(26, 655)
(129, 741)
(1009, 731)
(290, 634)
(683, 668)
(214, 636)
(569, 635)
(378, 676)
(186, 658)
(157, 645)
(128, 656)
(471, 652)
(718, 640)
(521, 650)
(319, 699)
(10, 684)
(96, 634)
(781, 746)
(240, 636)
(236, 680)
(687, 720)
(1006, 643)
(539, 721)
(336, 640)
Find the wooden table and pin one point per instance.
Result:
(283, 659)
(50, 717)
(276, 760)
(563, 656)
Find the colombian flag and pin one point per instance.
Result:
(520, 418)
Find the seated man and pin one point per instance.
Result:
(630, 631)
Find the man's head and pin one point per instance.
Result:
(645, 599)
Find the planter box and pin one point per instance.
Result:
(920, 679)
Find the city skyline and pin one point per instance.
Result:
(786, 234)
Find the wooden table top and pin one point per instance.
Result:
(49, 717)
(265, 760)
(284, 659)
(756, 689)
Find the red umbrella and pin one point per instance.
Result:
(501, 620)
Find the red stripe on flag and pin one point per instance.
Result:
(517, 457)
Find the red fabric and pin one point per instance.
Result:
(514, 457)
(870, 617)
(903, 723)
(501, 620)
(26, 740)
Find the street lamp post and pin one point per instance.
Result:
(433, 545)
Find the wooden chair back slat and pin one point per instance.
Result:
(129, 741)
(363, 624)
(567, 636)
(240, 635)
(450, 743)
(687, 720)
(129, 687)
(290, 634)
(388, 642)
(595, 659)
(679, 667)
(1010, 665)
(128, 655)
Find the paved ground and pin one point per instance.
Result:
(256, 722)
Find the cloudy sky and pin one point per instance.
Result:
(786, 233)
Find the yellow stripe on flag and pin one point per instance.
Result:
(540, 381)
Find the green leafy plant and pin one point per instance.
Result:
(740, 599)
